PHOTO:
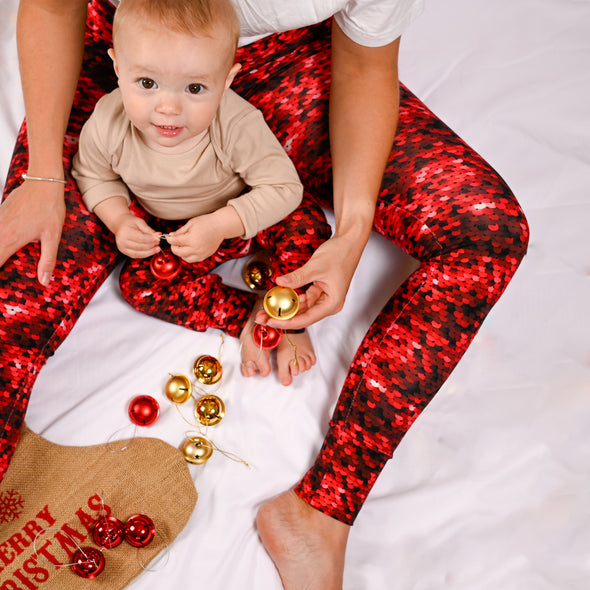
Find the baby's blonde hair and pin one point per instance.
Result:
(190, 17)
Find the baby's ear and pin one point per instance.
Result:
(232, 74)
(111, 53)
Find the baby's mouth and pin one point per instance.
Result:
(168, 130)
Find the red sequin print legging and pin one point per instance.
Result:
(439, 201)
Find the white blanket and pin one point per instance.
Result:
(490, 488)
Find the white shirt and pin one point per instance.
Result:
(368, 22)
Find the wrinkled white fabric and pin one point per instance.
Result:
(489, 489)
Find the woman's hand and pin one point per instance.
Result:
(33, 212)
(50, 37)
(329, 273)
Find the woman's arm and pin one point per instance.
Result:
(50, 38)
(364, 108)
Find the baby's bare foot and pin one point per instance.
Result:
(254, 359)
(294, 355)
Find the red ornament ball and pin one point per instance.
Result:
(139, 530)
(88, 562)
(266, 337)
(108, 532)
(144, 410)
(165, 265)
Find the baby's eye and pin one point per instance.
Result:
(195, 88)
(147, 83)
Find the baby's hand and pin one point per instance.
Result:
(135, 238)
(198, 239)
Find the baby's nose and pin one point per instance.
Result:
(168, 104)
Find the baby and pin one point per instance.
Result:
(208, 173)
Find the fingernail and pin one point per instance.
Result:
(45, 278)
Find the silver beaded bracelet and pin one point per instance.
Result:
(27, 177)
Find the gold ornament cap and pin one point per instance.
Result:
(209, 410)
(207, 369)
(178, 389)
(281, 303)
(196, 450)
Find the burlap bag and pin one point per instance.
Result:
(54, 493)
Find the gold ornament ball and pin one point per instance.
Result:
(257, 274)
(207, 369)
(178, 389)
(209, 410)
(281, 303)
(196, 450)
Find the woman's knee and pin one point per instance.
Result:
(454, 204)
(494, 223)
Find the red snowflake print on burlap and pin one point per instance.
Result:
(11, 505)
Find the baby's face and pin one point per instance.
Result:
(171, 83)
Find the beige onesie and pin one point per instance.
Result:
(239, 162)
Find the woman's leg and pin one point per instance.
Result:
(441, 203)
(446, 207)
(34, 320)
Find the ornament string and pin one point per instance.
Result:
(165, 554)
(209, 409)
(38, 556)
(294, 347)
(114, 434)
(260, 346)
(102, 512)
(199, 432)
(157, 558)
(197, 388)
(228, 454)
(202, 391)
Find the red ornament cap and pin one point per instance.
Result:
(108, 532)
(165, 265)
(266, 337)
(88, 562)
(139, 530)
(144, 410)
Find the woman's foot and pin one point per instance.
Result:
(306, 546)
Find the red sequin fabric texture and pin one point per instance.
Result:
(444, 205)
(197, 298)
(439, 201)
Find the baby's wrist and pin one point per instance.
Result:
(228, 222)
(113, 212)
(120, 221)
